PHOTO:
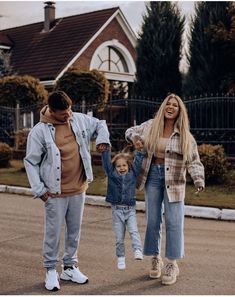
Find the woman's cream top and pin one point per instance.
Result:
(161, 148)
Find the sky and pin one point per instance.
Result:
(17, 13)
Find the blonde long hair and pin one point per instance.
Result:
(182, 123)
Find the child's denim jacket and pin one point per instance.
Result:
(121, 188)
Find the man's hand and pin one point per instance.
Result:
(45, 196)
(102, 147)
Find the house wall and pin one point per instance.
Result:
(112, 31)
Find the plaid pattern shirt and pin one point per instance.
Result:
(175, 166)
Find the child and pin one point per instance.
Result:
(122, 173)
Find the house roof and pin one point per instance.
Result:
(5, 40)
(55, 48)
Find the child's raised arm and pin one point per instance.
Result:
(106, 161)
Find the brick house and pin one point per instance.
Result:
(100, 40)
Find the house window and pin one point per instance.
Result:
(110, 59)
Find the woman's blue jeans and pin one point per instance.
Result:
(155, 197)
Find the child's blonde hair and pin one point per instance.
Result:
(125, 156)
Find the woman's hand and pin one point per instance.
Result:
(139, 145)
(199, 189)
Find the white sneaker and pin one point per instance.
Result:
(74, 274)
(138, 255)
(121, 263)
(51, 281)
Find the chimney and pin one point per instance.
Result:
(49, 15)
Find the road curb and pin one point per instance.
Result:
(190, 211)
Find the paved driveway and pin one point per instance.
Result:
(208, 268)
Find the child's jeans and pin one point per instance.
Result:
(125, 216)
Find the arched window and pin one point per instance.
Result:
(110, 59)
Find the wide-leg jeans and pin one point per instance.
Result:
(155, 197)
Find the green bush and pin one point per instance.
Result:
(215, 162)
(25, 89)
(5, 155)
(21, 139)
(91, 86)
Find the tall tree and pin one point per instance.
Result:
(159, 51)
(224, 35)
(207, 59)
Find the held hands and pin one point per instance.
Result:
(102, 147)
(139, 145)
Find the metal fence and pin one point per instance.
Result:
(212, 119)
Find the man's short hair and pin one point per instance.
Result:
(59, 100)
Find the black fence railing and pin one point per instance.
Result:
(212, 119)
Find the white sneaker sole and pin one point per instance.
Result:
(68, 278)
(153, 274)
(138, 258)
(54, 289)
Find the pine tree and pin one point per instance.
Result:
(207, 59)
(224, 36)
(159, 51)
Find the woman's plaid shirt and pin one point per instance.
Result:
(175, 166)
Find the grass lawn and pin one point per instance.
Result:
(220, 196)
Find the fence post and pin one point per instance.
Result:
(133, 112)
(83, 105)
(17, 124)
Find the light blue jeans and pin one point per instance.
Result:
(155, 197)
(125, 216)
(58, 211)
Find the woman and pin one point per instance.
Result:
(171, 151)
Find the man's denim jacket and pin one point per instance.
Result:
(43, 161)
(121, 188)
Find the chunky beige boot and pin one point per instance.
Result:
(171, 271)
(157, 265)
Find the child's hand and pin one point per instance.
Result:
(139, 145)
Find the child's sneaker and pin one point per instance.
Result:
(121, 263)
(171, 272)
(156, 267)
(138, 255)
(74, 274)
(51, 281)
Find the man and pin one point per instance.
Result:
(58, 165)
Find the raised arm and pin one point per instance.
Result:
(98, 129)
(137, 164)
(106, 161)
(136, 133)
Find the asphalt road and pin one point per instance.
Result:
(207, 269)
